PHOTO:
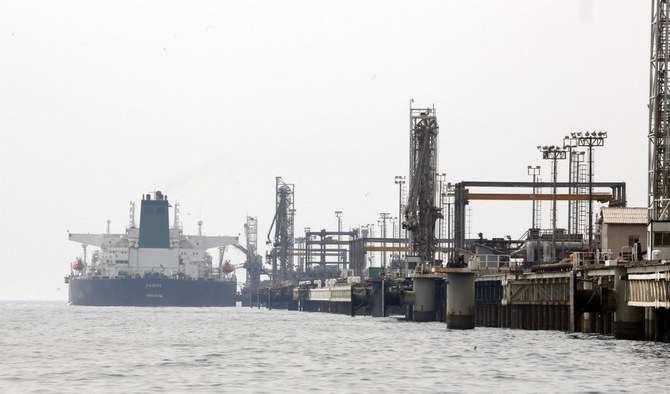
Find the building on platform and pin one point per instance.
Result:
(624, 231)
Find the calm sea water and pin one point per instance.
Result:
(50, 347)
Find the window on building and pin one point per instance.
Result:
(661, 238)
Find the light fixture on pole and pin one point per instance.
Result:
(400, 181)
(383, 216)
(338, 215)
(590, 140)
(553, 153)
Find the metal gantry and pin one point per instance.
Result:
(576, 174)
(441, 178)
(421, 213)
(553, 153)
(659, 119)
(283, 224)
(570, 144)
(534, 171)
(590, 140)
(383, 217)
(449, 198)
(659, 115)
(253, 263)
(400, 181)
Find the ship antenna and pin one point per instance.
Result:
(108, 222)
(199, 227)
(175, 225)
(132, 214)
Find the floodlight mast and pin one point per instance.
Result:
(590, 140)
(553, 153)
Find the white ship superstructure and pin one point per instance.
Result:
(152, 248)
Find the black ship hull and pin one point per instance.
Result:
(151, 291)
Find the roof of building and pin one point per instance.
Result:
(624, 215)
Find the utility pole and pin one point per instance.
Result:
(383, 216)
(338, 215)
(400, 181)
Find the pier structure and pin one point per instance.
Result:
(616, 197)
(601, 282)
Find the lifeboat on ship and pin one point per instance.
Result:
(77, 265)
(228, 268)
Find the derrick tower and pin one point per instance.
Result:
(659, 138)
(421, 212)
(282, 244)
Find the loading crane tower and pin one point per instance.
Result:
(659, 130)
(421, 212)
(253, 263)
(281, 254)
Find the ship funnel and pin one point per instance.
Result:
(154, 222)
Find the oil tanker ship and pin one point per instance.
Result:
(153, 264)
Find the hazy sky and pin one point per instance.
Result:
(209, 101)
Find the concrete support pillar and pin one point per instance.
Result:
(461, 300)
(628, 321)
(377, 299)
(424, 302)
